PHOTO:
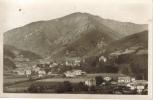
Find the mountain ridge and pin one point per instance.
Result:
(47, 37)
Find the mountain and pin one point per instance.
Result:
(13, 53)
(135, 41)
(128, 55)
(131, 54)
(125, 28)
(76, 34)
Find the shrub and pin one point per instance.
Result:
(63, 87)
(99, 80)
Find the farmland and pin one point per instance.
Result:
(21, 83)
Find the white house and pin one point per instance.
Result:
(107, 78)
(41, 73)
(77, 62)
(102, 58)
(69, 74)
(133, 79)
(140, 82)
(90, 82)
(114, 83)
(124, 79)
(74, 73)
(78, 72)
(73, 61)
(28, 73)
(140, 88)
(132, 86)
(68, 63)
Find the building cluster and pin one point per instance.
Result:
(76, 61)
(45, 68)
(23, 71)
(51, 68)
(122, 81)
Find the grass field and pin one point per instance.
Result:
(73, 80)
(18, 84)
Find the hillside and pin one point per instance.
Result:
(125, 28)
(135, 41)
(13, 55)
(129, 56)
(72, 35)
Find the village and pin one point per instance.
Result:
(69, 71)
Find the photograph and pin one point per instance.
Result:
(98, 47)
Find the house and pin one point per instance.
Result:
(90, 82)
(69, 74)
(52, 74)
(102, 58)
(114, 83)
(124, 79)
(78, 72)
(140, 82)
(68, 63)
(20, 72)
(132, 86)
(28, 73)
(133, 79)
(140, 88)
(107, 78)
(74, 73)
(36, 69)
(75, 61)
(41, 73)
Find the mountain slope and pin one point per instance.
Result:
(13, 53)
(129, 56)
(77, 34)
(125, 28)
(137, 40)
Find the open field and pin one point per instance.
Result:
(21, 87)
(73, 80)
(21, 83)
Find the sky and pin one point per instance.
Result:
(16, 13)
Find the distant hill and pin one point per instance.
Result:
(137, 40)
(8, 64)
(76, 34)
(125, 28)
(12, 52)
(12, 55)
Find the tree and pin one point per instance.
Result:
(99, 80)
(35, 88)
(80, 87)
(63, 87)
